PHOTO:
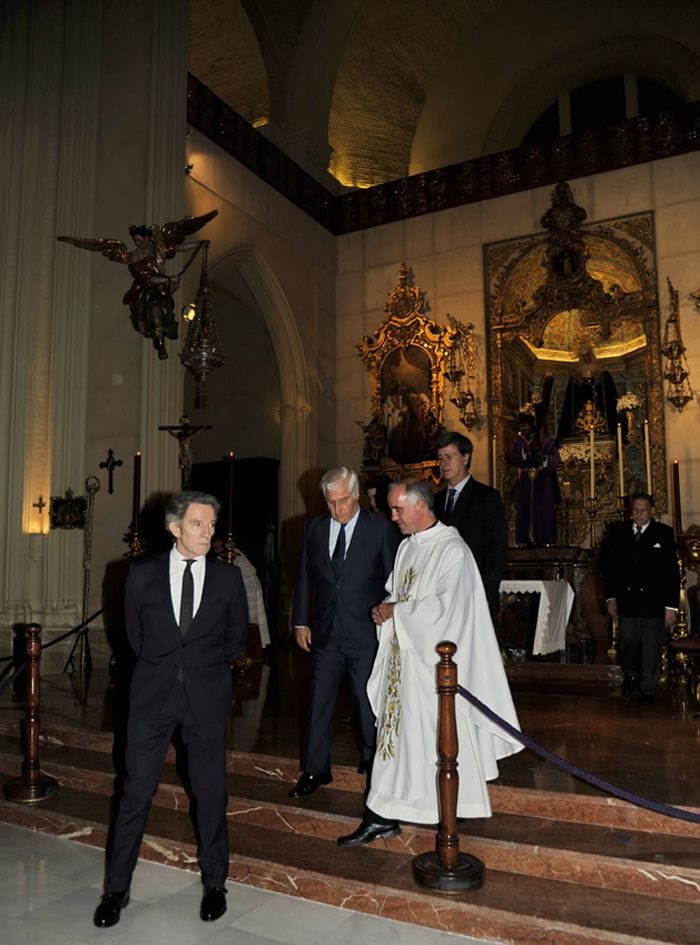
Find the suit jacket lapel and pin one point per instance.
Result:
(322, 552)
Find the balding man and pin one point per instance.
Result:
(434, 594)
(346, 557)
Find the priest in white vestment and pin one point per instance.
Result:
(435, 593)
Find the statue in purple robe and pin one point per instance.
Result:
(534, 453)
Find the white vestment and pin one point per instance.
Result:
(439, 596)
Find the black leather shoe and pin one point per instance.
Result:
(110, 908)
(213, 903)
(367, 832)
(308, 783)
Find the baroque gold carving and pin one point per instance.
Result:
(406, 357)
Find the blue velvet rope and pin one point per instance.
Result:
(579, 773)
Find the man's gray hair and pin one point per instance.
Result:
(176, 509)
(333, 477)
(415, 490)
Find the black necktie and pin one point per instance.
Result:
(187, 598)
(637, 533)
(450, 500)
(338, 555)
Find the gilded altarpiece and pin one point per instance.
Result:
(578, 307)
(406, 358)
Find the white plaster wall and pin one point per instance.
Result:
(445, 252)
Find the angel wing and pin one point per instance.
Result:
(112, 249)
(178, 230)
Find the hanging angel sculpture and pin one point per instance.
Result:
(150, 298)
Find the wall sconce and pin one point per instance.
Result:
(676, 370)
(461, 373)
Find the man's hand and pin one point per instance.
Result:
(670, 617)
(303, 638)
(612, 607)
(382, 612)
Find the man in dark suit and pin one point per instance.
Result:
(642, 588)
(475, 510)
(346, 557)
(186, 621)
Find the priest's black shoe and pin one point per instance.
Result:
(308, 783)
(213, 903)
(110, 908)
(367, 832)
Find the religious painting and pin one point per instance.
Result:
(574, 333)
(406, 357)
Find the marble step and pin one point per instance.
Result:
(660, 864)
(277, 854)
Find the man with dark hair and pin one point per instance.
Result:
(187, 622)
(433, 594)
(642, 588)
(346, 557)
(475, 510)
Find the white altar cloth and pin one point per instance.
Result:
(556, 601)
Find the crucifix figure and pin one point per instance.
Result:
(39, 504)
(110, 464)
(183, 432)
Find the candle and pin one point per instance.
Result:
(677, 524)
(136, 501)
(493, 460)
(647, 456)
(230, 492)
(620, 469)
(592, 447)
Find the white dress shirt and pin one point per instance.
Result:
(177, 568)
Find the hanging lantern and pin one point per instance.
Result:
(202, 352)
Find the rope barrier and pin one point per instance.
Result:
(564, 765)
(81, 627)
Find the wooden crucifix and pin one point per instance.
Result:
(184, 431)
(110, 464)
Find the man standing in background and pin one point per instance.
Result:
(475, 510)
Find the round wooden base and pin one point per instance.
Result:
(467, 875)
(31, 792)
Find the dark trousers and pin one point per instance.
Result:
(147, 743)
(641, 642)
(328, 666)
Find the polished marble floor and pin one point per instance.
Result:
(49, 888)
(650, 751)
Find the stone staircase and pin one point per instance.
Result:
(562, 868)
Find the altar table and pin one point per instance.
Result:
(556, 601)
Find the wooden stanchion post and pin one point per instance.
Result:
(32, 786)
(447, 870)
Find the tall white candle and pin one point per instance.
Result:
(647, 456)
(592, 443)
(620, 467)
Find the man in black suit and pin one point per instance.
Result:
(475, 510)
(346, 557)
(642, 588)
(187, 622)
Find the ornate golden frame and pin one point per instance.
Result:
(525, 291)
(406, 325)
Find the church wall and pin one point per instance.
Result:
(445, 252)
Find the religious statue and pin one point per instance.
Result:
(534, 453)
(150, 298)
(184, 432)
(588, 384)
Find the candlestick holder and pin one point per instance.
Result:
(137, 547)
(621, 507)
(591, 506)
(229, 549)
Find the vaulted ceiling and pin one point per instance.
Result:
(364, 91)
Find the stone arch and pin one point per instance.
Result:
(252, 269)
(656, 57)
